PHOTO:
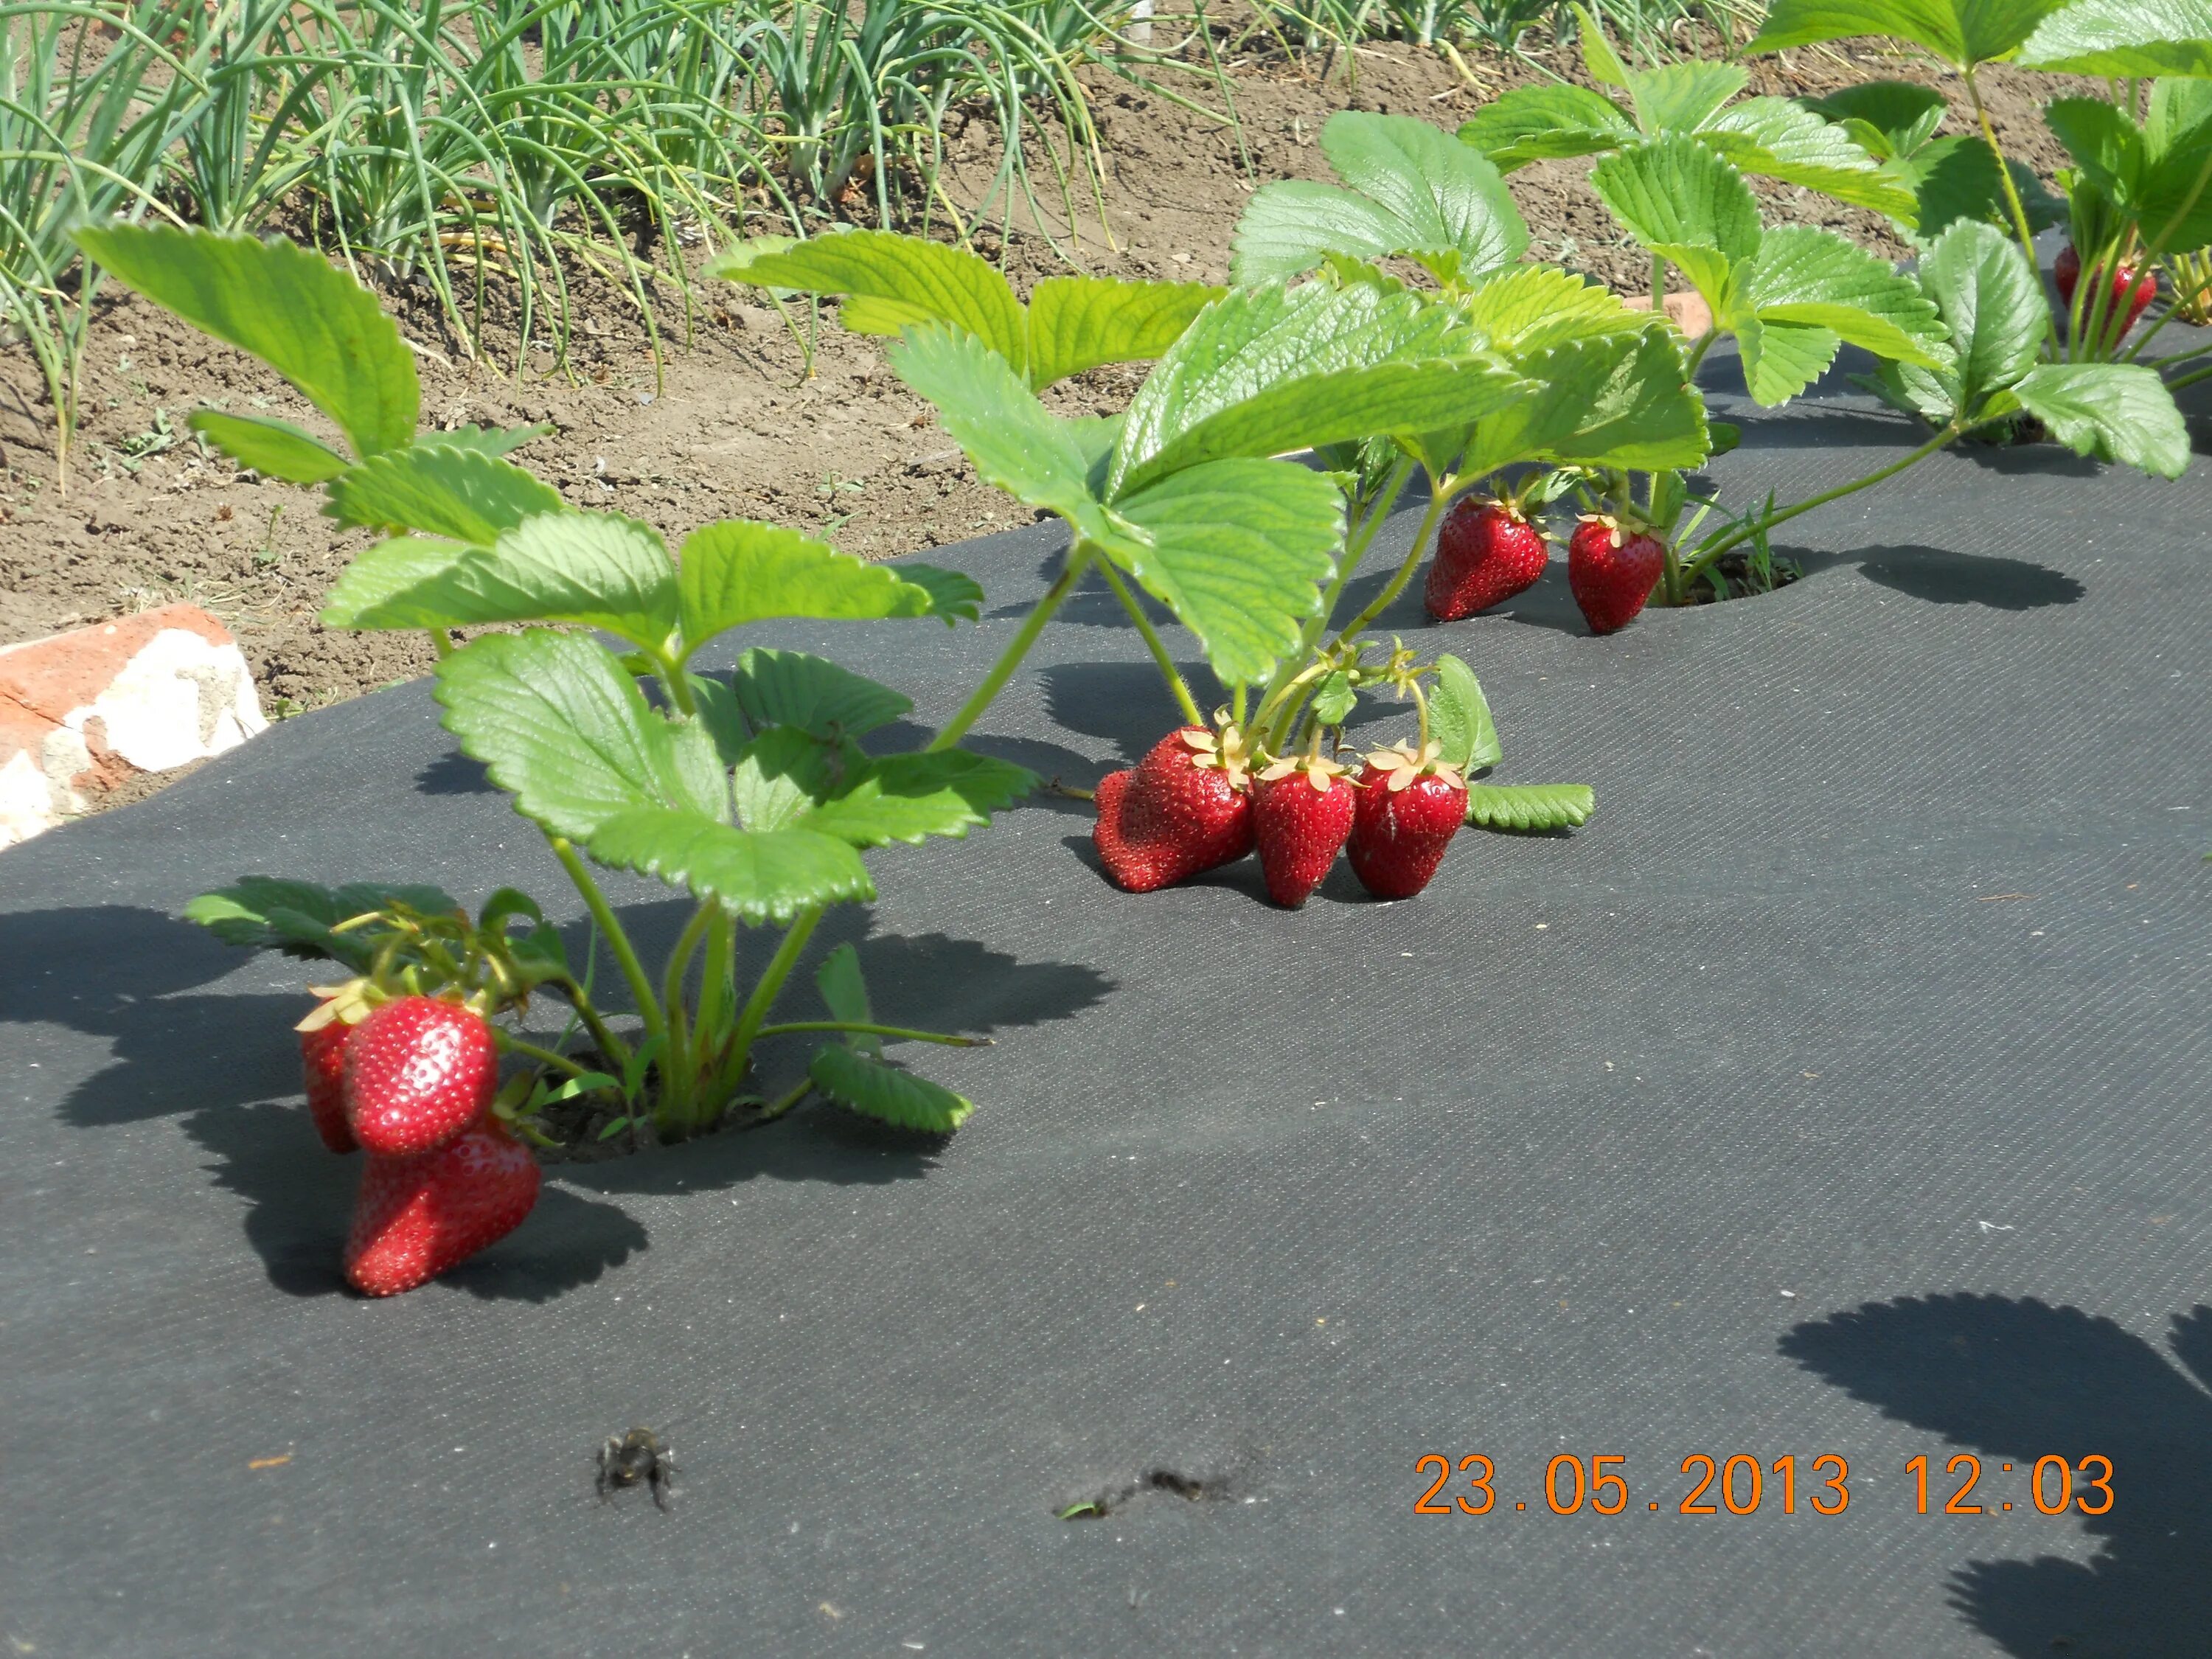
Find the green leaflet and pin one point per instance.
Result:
(2116, 412)
(1459, 720)
(597, 570)
(758, 877)
(1238, 550)
(789, 688)
(274, 448)
(878, 1090)
(737, 571)
(1962, 33)
(289, 307)
(264, 913)
(1408, 189)
(2121, 37)
(464, 495)
(561, 727)
(1529, 807)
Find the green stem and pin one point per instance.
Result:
(1440, 494)
(2011, 191)
(640, 987)
(791, 1027)
(1658, 289)
(543, 1056)
(679, 959)
(756, 1011)
(1078, 556)
(2191, 378)
(715, 971)
(1726, 539)
(1357, 542)
(611, 1047)
(1154, 643)
(679, 688)
(769, 1113)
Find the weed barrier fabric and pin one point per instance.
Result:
(1840, 1088)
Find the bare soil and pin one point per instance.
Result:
(734, 423)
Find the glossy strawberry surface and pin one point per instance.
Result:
(1486, 554)
(1180, 811)
(1404, 820)
(1301, 817)
(418, 1071)
(1612, 572)
(414, 1217)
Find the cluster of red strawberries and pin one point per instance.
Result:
(2129, 292)
(1487, 551)
(412, 1083)
(1193, 805)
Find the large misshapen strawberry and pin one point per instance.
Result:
(414, 1217)
(418, 1071)
(1410, 806)
(1613, 567)
(1302, 813)
(1486, 552)
(1186, 808)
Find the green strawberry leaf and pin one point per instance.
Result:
(564, 730)
(782, 774)
(789, 688)
(1459, 718)
(1334, 698)
(491, 440)
(1683, 96)
(1529, 807)
(265, 913)
(1676, 190)
(1238, 550)
(907, 797)
(953, 596)
(1777, 138)
(1621, 401)
(596, 570)
(2116, 412)
(1961, 33)
(273, 448)
(2121, 38)
(1532, 308)
(758, 877)
(1408, 189)
(1015, 442)
(286, 305)
(1887, 117)
(1270, 370)
(890, 282)
(1076, 323)
(845, 994)
(1992, 301)
(1546, 123)
(461, 494)
(737, 571)
(880, 1090)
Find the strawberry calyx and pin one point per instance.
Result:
(1403, 765)
(1227, 751)
(1317, 770)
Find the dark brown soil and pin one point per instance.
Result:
(734, 426)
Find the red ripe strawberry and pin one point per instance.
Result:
(1612, 572)
(1302, 812)
(1409, 807)
(322, 1057)
(418, 1071)
(2066, 271)
(1486, 552)
(416, 1217)
(1186, 809)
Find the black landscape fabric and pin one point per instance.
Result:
(1840, 1090)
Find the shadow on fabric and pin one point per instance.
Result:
(2020, 1380)
(1941, 575)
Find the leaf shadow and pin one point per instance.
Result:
(2020, 1379)
(1943, 575)
(454, 774)
(1126, 703)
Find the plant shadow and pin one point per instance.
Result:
(1126, 703)
(454, 774)
(1942, 576)
(298, 1199)
(2019, 1380)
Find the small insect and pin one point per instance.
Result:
(637, 1458)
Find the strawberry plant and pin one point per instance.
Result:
(750, 790)
(1176, 495)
